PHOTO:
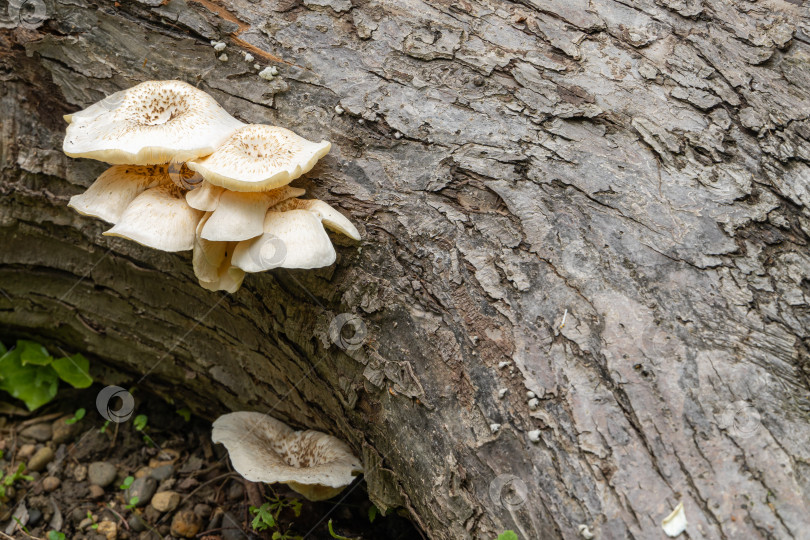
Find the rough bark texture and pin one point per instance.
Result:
(602, 203)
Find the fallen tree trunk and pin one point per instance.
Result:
(601, 205)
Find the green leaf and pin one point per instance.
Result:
(34, 384)
(33, 353)
(127, 482)
(74, 370)
(508, 535)
(334, 534)
(56, 535)
(185, 413)
(140, 422)
(372, 513)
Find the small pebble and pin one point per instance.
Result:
(503, 364)
(187, 484)
(62, 431)
(136, 523)
(339, 109)
(38, 432)
(502, 392)
(202, 510)
(143, 472)
(397, 135)
(162, 473)
(34, 515)
(50, 483)
(101, 473)
(185, 524)
(26, 451)
(236, 491)
(534, 435)
(165, 501)
(223, 57)
(143, 488)
(219, 46)
(494, 428)
(80, 473)
(42, 457)
(84, 523)
(108, 529)
(96, 492)
(530, 394)
(533, 404)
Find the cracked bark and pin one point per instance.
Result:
(638, 170)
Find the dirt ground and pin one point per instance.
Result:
(74, 476)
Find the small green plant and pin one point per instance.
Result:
(20, 525)
(140, 422)
(103, 428)
(92, 518)
(185, 413)
(78, 415)
(372, 513)
(127, 482)
(11, 479)
(133, 502)
(267, 514)
(56, 535)
(29, 373)
(508, 535)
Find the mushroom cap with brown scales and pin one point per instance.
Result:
(263, 449)
(116, 188)
(240, 215)
(151, 123)
(159, 218)
(259, 158)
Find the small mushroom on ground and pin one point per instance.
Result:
(115, 189)
(151, 123)
(263, 449)
(159, 218)
(241, 215)
(259, 158)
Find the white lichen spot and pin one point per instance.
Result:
(361, 121)
(397, 135)
(534, 403)
(266, 74)
(219, 46)
(494, 428)
(273, 71)
(248, 57)
(534, 435)
(502, 392)
(257, 66)
(223, 57)
(585, 532)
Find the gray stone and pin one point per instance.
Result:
(162, 473)
(42, 457)
(38, 432)
(143, 488)
(101, 473)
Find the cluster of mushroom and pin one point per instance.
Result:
(186, 175)
(263, 449)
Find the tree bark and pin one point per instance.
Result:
(605, 204)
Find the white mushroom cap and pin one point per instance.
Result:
(151, 123)
(293, 239)
(115, 189)
(263, 449)
(205, 197)
(330, 217)
(212, 263)
(259, 157)
(159, 218)
(240, 215)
